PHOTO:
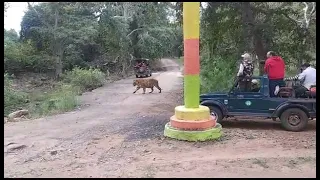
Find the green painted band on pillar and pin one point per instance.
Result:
(191, 91)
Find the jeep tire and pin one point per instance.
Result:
(215, 111)
(294, 119)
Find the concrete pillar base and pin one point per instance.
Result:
(193, 124)
(185, 135)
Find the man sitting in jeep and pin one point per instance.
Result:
(307, 80)
(255, 86)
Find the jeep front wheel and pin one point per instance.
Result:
(294, 119)
(216, 112)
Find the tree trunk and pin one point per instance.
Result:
(303, 48)
(253, 35)
(301, 51)
(57, 47)
(125, 10)
(135, 38)
(124, 72)
(259, 49)
(59, 66)
(179, 12)
(248, 26)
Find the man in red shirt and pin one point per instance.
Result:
(275, 69)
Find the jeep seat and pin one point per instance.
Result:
(286, 92)
(312, 92)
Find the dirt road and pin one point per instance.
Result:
(120, 134)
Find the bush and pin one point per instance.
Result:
(85, 79)
(62, 99)
(13, 99)
(22, 57)
(217, 74)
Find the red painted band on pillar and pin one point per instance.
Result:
(192, 125)
(191, 57)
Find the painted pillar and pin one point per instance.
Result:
(191, 29)
(192, 122)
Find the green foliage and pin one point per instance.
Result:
(158, 42)
(13, 99)
(10, 36)
(62, 99)
(274, 26)
(22, 57)
(85, 79)
(217, 74)
(89, 34)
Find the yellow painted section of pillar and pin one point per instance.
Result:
(191, 20)
(192, 114)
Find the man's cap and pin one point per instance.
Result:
(272, 53)
(246, 56)
(254, 81)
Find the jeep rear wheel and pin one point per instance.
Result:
(216, 112)
(294, 119)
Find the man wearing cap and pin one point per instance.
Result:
(255, 86)
(275, 69)
(307, 78)
(245, 72)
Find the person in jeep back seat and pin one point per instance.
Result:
(245, 72)
(307, 78)
(275, 69)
